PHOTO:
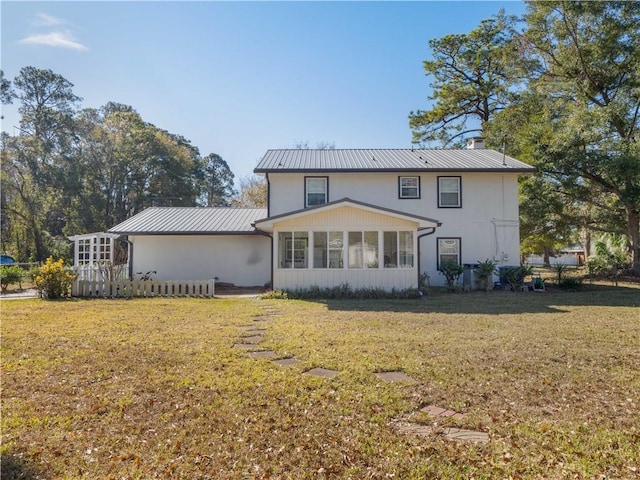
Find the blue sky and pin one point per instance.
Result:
(238, 78)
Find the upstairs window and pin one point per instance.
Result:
(316, 191)
(449, 192)
(409, 187)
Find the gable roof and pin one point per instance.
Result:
(191, 221)
(385, 160)
(423, 222)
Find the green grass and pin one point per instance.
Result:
(153, 388)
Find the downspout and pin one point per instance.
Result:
(431, 231)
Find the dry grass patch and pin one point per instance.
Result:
(154, 388)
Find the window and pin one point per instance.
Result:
(104, 253)
(390, 246)
(84, 251)
(449, 189)
(316, 191)
(448, 250)
(398, 249)
(336, 253)
(363, 249)
(327, 250)
(409, 187)
(292, 249)
(405, 249)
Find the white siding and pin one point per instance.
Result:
(487, 222)
(243, 260)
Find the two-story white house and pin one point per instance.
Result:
(366, 217)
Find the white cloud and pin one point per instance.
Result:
(51, 32)
(55, 39)
(45, 20)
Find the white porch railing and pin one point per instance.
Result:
(143, 288)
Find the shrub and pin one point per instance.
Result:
(53, 280)
(485, 273)
(451, 271)
(9, 275)
(516, 275)
(342, 292)
(275, 294)
(570, 283)
(561, 270)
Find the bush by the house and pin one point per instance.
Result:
(484, 273)
(451, 271)
(10, 275)
(516, 275)
(344, 292)
(53, 280)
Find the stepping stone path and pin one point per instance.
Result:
(393, 377)
(263, 354)
(466, 435)
(287, 362)
(322, 372)
(253, 335)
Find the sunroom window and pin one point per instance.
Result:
(293, 249)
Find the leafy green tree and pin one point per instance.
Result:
(580, 116)
(218, 185)
(473, 77)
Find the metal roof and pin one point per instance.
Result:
(191, 221)
(372, 160)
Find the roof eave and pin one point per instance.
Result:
(389, 170)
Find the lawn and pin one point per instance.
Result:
(153, 388)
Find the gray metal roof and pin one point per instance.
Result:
(191, 221)
(372, 160)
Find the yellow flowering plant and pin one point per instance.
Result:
(53, 280)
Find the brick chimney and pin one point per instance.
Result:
(475, 143)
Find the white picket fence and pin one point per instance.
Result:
(143, 288)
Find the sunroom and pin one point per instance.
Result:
(345, 242)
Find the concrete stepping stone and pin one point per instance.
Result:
(435, 411)
(287, 362)
(263, 354)
(393, 377)
(246, 346)
(254, 331)
(253, 340)
(246, 327)
(322, 372)
(465, 435)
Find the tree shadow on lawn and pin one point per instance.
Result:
(499, 302)
(13, 467)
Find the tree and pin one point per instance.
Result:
(473, 76)
(252, 193)
(36, 162)
(218, 187)
(581, 113)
